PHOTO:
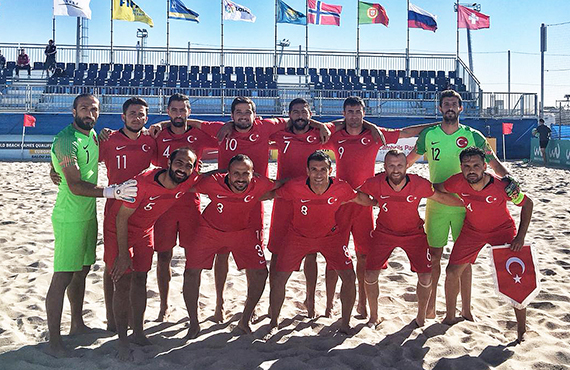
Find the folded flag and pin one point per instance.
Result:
(130, 12)
(29, 121)
(321, 13)
(471, 19)
(177, 10)
(236, 12)
(286, 14)
(372, 13)
(419, 18)
(72, 8)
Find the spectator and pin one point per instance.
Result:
(50, 52)
(2, 61)
(543, 132)
(23, 63)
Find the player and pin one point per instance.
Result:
(441, 145)
(74, 155)
(543, 132)
(487, 221)
(399, 225)
(182, 218)
(316, 199)
(225, 226)
(159, 189)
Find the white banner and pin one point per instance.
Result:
(72, 8)
(236, 12)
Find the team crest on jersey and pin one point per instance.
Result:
(365, 141)
(191, 139)
(253, 137)
(462, 141)
(145, 148)
(311, 139)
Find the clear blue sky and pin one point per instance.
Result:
(514, 26)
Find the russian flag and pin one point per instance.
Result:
(419, 18)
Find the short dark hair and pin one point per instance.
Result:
(81, 96)
(240, 158)
(135, 100)
(471, 152)
(243, 99)
(297, 101)
(178, 97)
(541, 120)
(395, 153)
(183, 149)
(352, 101)
(450, 94)
(319, 156)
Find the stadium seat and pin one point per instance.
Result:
(215, 69)
(269, 71)
(364, 72)
(38, 65)
(323, 72)
(228, 70)
(238, 70)
(414, 74)
(381, 73)
(83, 66)
(280, 70)
(128, 67)
(194, 69)
(105, 66)
(312, 71)
(93, 66)
(139, 68)
(392, 73)
(431, 74)
(401, 73)
(333, 71)
(452, 74)
(248, 70)
(300, 71)
(148, 68)
(161, 68)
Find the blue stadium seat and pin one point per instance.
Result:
(314, 79)
(373, 72)
(280, 70)
(249, 70)
(332, 71)
(381, 73)
(118, 67)
(83, 66)
(323, 72)
(351, 72)
(128, 67)
(148, 68)
(300, 71)
(184, 83)
(38, 65)
(105, 66)
(205, 69)
(228, 70)
(194, 69)
(312, 71)
(238, 70)
(161, 68)
(423, 74)
(431, 74)
(215, 69)
(414, 74)
(93, 66)
(452, 74)
(401, 73)
(139, 68)
(259, 70)
(392, 73)
(291, 71)
(364, 72)
(60, 65)
(183, 72)
(269, 71)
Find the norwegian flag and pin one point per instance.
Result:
(321, 13)
(515, 274)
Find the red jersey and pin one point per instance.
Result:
(195, 139)
(254, 143)
(486, 210)
(229, 211)
(314, 214)
(294, 149)
(398, 209)
(356, 154)
(153, 200)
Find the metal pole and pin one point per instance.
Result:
(188, 59)
(167, 33)
(542, 50)
(408, 43)
(53, 29)
(275, 43)
(469, 50)
(509, 81)
(300, 61)
(307, 38)
(222, 49)
(78, 42)
(357, 38)
(457, 38)
(111, 55)
(504, 150)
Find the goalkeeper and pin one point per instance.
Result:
(75, 154)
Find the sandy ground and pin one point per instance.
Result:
(26, 247)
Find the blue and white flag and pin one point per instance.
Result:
(178, 10)
(286, 14)
(419, 18)
(236, 12)
(72, 8)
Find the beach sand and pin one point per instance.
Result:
(26, 256)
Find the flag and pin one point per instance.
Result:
(515, 274)
(507, 128)
(236, 12)
(321, 13)
(372, 13)
(419, 18)
(29, 121)
(470, 19)
(127, 10)
(286, 14)
(72, 8)
(177, 10)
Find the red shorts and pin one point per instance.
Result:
(256, 220)
(244, 245)
(296, 247)
(358, 220)
(415, 246)
(181, 220)
(280, 220)
(141, 250)
(470, 242)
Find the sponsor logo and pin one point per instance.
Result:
(555, 153)
(434, 142)
(120, 147)
(464, 195)
(567, 154)
(384, 196)
(287, 137)
(153, 198)
(462, 141)
(221, 196)
(537, 152)
(305, 200)
(167, 139)
(342, 141)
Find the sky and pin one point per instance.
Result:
(515, 26)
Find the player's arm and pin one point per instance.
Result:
(104, 134)
(412, 158)
(364, 200)
(440, 187)
(53, 175)
(375, 131)
(324, 132)
(126, 191)
(415, 130)
(526, 214)
(497, 166)
(446, 198)
(123, 260)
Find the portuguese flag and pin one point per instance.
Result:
(372, 13)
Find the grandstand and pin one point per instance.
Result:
(212, 78)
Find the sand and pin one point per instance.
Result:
(26, 246)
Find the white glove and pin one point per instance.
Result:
(126, 191)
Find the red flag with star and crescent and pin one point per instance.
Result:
(515, 274)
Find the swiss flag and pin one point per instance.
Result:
(516, 275)
(469, 18)
(29, 121)
(507, 128)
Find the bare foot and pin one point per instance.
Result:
(272, 331)
(124, 352)
(193, 331)
(163, 315)
(467, 316)
(374, 323)
(310, 305)
(111, 327)
(450, 320)
(58, 351)
(219, 315)
(420, 322)
(328, 311)
(243, 327)
(430, 314)
(79, 329)
(345, 329)
(520, 335)
(141, 340)
(361, 311)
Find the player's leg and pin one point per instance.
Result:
(191, 292)
(221, 266)
(521, 323)
(108, 292)
(452, 286)
(347, 297)
(372, 293)
(167, 226)
(121, 308)
(163, 277)
(256, 279)
(138, 303)
(467, 275)
(277, 295)
(331, 278)
(54, 309)
(418, 251)
(281, 216)
(76, 295)
(310, 269)
(423, 291)
(436, 254)
(362, 226)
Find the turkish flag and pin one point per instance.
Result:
(29, 121)
(515, 274)
(507, 128)
(469, 18)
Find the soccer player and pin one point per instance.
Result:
(158, 190)
(225, 226)
(487, 221)
(316, 200)
(441, 145)
(182, 218)
(355, 151)
(399, 225)
(543, 133)
(74, 154)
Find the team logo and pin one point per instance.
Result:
(410, 198)
(311, 139)
(253, 137)
(248, 198)
(462, 141)
(178, 195)
(342, 141)
(508, 264)
(153, 198)
(365, 141)
(490, 199)
(555, 153)
(567, 154)
(331, 200)
(167, 139)
(191, 139)
(145, 148)
(120, 147)
(287, 137)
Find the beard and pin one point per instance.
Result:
(174, 176)
(178, 122)
(135, 130)
(84, 123)
(300, 124)
(451, 118)
(396, 179)
(240, 186)
(473, 178)
(243, 124)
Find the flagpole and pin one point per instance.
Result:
(112, 10)
(167, 33)
(307, 38)
(357, 37)
(275, 43)
(504, 149)
(408, 43)
(222, 49)
(23, 135)
(457, 38)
